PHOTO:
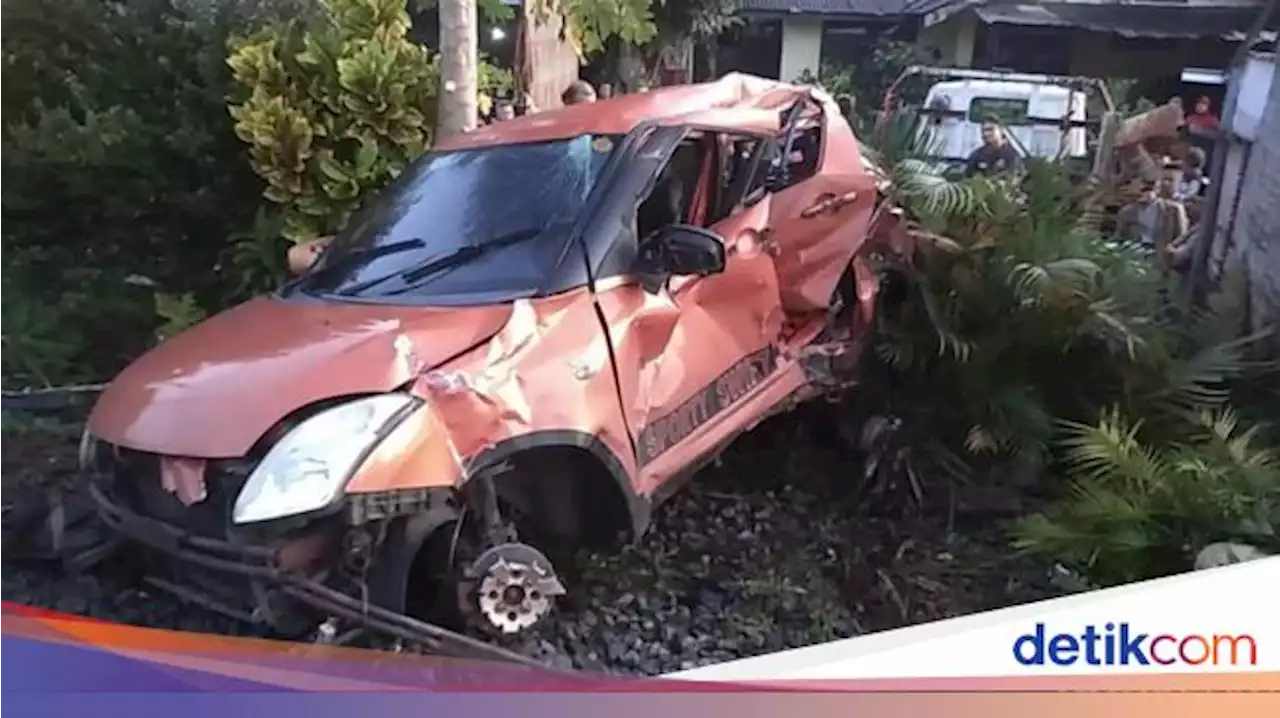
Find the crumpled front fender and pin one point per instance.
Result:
(417, 454)
(542, 380)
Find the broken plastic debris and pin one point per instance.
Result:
(184, 478)
(451, 382)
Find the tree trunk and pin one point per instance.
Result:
(1258, 219)
(458, 74)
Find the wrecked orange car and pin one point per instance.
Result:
(532, 336)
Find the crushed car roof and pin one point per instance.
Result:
(744, 102)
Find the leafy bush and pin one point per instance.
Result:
(1138, 511)
(1016, 317)
(119, 160)
(335, 108)
(1018, 322)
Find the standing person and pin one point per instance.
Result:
(1155, 220)
(848, 109)
(1191, 180)
(1202, 115)
(606, 91)
(579, 92)
(995, 156)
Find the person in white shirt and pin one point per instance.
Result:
(1191, 181)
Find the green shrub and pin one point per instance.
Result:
(335, 108)
(119, 160)
(1018, 322)
(1138, 511)
(1014, 315)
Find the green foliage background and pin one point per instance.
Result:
(131, 205)
(1023, 337)
(119, 160)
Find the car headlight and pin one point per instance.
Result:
(308, 469)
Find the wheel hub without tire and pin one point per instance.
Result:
(516, 586)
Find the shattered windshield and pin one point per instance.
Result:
(490, 221)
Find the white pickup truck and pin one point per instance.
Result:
(1032, 115)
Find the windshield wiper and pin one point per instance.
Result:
(356, 258)
(449, 260)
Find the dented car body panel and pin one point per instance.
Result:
(629, 284)
(214, 391)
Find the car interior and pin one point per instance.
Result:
(671, 200)
(699, 183)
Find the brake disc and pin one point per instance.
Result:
(516, 588)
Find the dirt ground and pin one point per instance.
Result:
(754, 556)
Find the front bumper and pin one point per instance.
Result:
(275, 572)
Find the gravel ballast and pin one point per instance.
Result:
(754, 556)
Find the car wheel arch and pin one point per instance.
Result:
(589, 471)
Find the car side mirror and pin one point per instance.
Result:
(681, 250)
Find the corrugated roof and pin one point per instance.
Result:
(874, 8)
(1154, 21)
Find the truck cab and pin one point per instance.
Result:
(1031, 113)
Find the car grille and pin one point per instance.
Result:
(136, 483)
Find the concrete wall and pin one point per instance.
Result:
(801, 47)
(1257, 225)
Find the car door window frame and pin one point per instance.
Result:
(805, 107)
(686, 202)
(742, 191)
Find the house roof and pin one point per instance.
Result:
(872, 8)
(1153, 21)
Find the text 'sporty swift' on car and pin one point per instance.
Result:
(525, 342)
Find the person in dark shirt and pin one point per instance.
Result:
(995, 156)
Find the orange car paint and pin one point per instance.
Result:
(697, 363)
(213, 391)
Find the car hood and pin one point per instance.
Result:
(214, 390)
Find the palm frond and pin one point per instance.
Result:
(926, 192)
(1110, 451)
(1116, 329)
(949, 341)
(1074, 278)
(1222, 431)
(1200, 381)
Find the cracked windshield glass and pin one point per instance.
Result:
(491, 220)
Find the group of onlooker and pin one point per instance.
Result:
(1162, 217)
(576, 93)
(1166, 210)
